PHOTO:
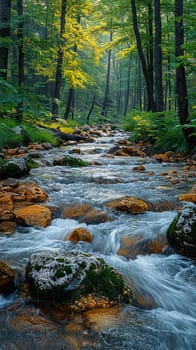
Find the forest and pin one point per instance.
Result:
(89, 61)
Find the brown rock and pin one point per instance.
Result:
(6, 202)
(121, 153)
(129, 204)
(188, 197)
(139, 168)
(7, 277)
(36, 194)
(6, 215)
(7, 227)
(95, 216)
(80, 234)
(76, 150)
(33, 215)
(86, 213)
(132, 246)
(133, 151)
(20, 194)
(75, 211)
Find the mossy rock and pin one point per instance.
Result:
(66, 277)
(71, 161)
(182, 232)
(16, 167)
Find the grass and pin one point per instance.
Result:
(13, 134)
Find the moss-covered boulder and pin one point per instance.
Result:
(16, 167)
(182, 231)
(69, 276)
(70, 161)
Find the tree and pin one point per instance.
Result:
(5, 10)
(106, 101)
(181, 85)
(59, 61)
(158, 58)
(149, 87)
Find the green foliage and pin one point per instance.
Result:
(27, 133)
(162, 129)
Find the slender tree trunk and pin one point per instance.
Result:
(20, 37)
(59, 62)
(181, 87)
(107, 85)
(128, 88)
(20, 45)
(150, 55)
(91, 109)
(69, 103)
(5, 10)
(158, 59)
(149, 87)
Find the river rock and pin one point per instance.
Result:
(129, 204)
(182, 232)
(69, 276)
(7, 279)
(86, 213)
(33, 215)
(7, 227)
(6, 202)
(190, 196)
(80, 234)
(17, 167)
(131, 246)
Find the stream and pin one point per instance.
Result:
(166, 282)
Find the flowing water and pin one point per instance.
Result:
(165, 282)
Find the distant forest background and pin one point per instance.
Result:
(87, 61)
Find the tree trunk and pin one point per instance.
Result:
(20, 37)
(158, 59)
(69, 103)
(91, 109)
(181, 87)
(107, 85)
(5, 10)
(128, 88)
(149, 87)
(150, 55)
(59, 62)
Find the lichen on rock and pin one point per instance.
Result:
(68, 276)
(182, 232)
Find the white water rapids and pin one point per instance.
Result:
(168, 280)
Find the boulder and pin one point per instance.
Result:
(7, 279)
(129, 204)
(80, 234)
(17, 167)
(131, 246)
(190, 196)
(86, 213)
(69, 276)
(182, 232)
(33, 215)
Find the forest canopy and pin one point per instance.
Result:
(98, 60)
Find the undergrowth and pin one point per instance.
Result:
(161, 129)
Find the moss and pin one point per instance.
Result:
(106, 282)
(62, 271)
(31, 164)
(74, 162)
(171, 229)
